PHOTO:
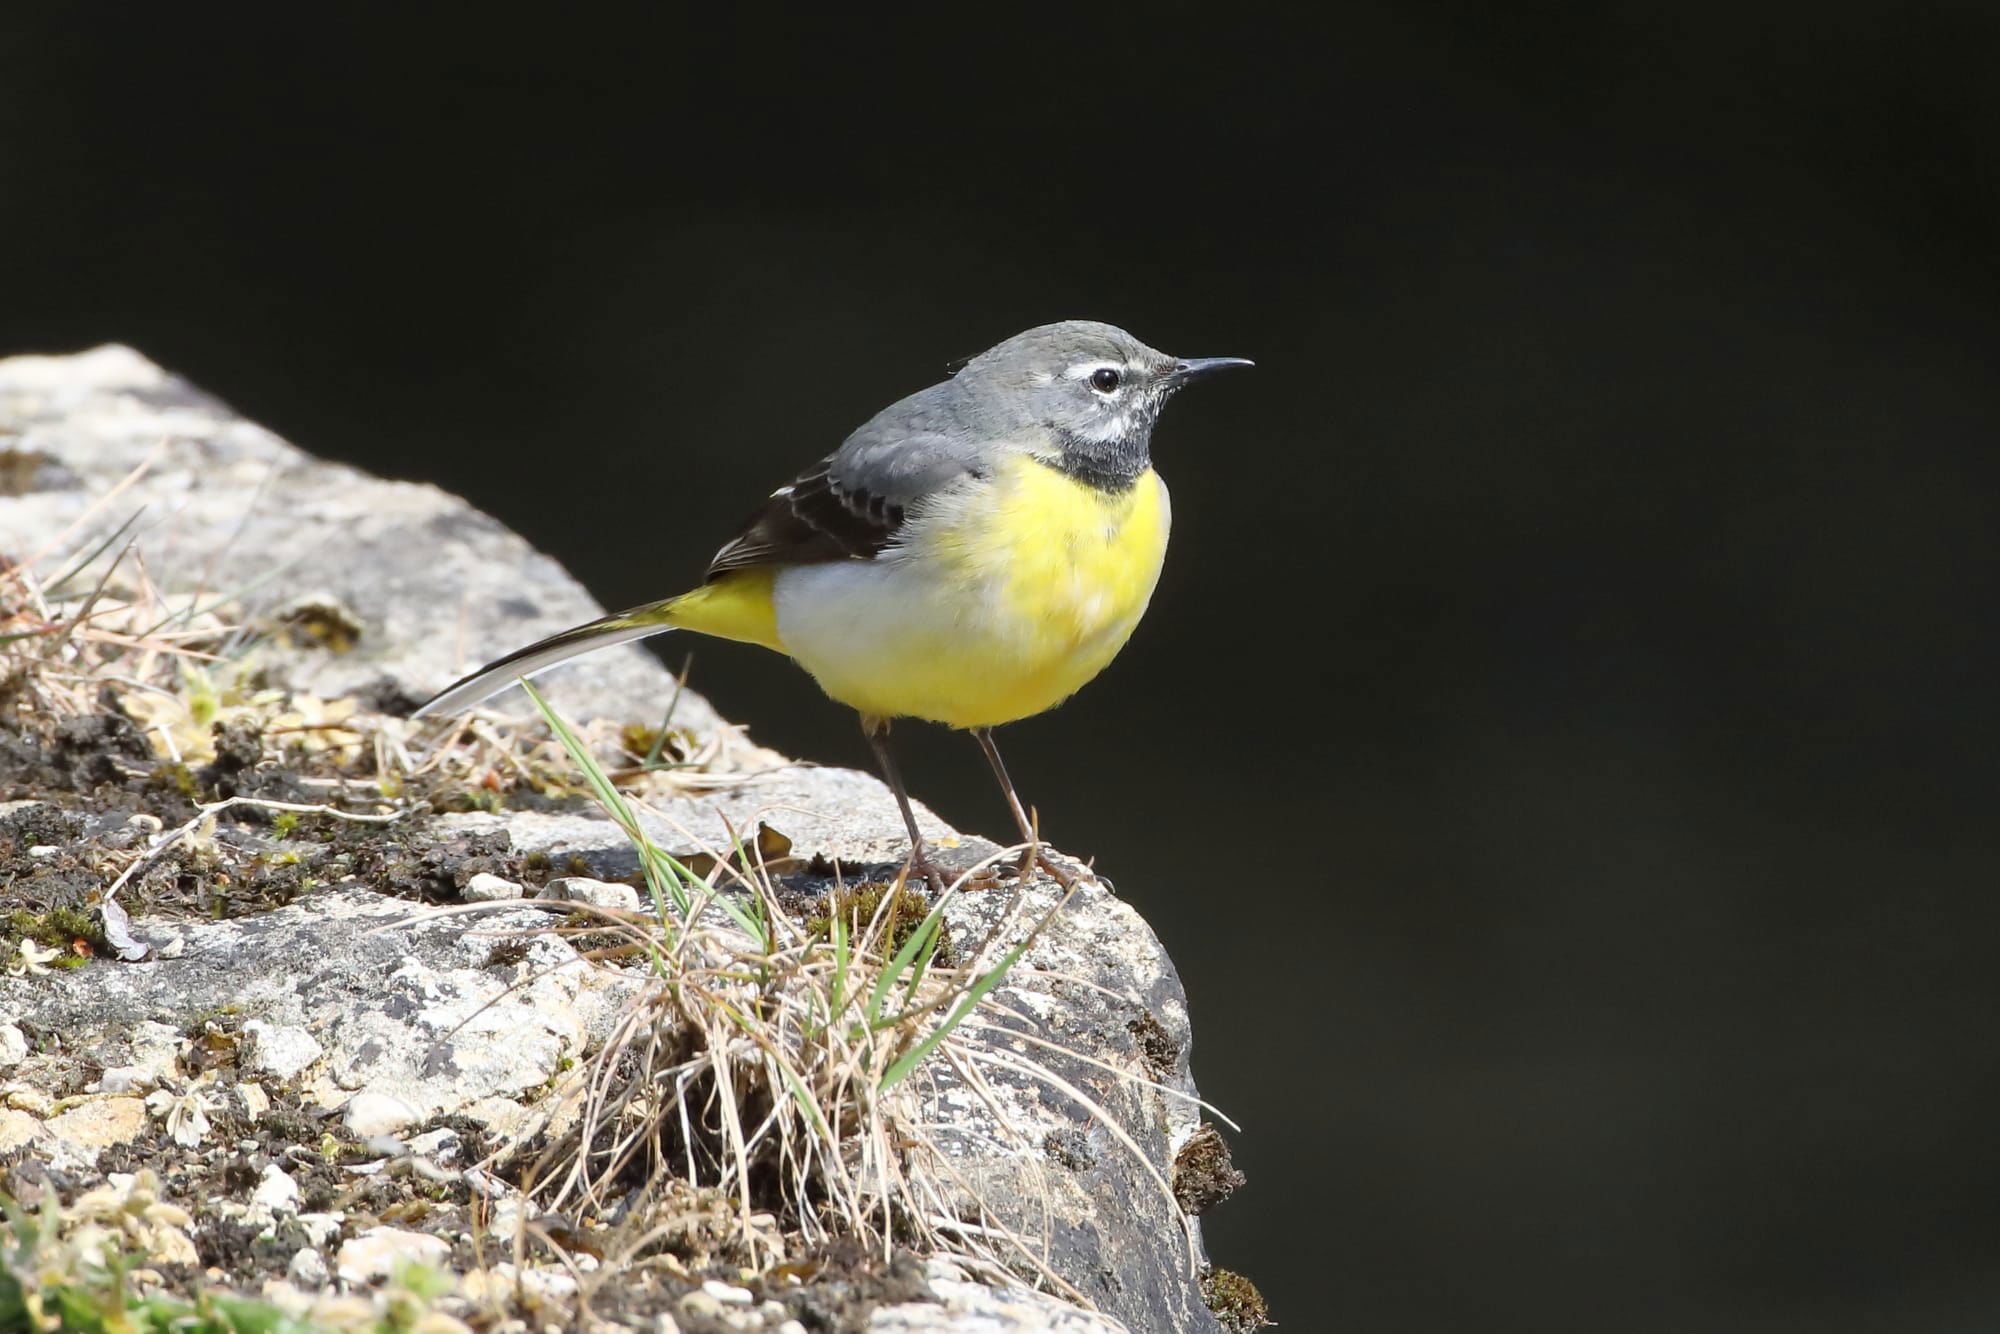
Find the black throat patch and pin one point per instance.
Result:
(1112, 466)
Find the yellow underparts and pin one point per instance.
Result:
(1059, 574)
(1002, 600)
(1005, 599)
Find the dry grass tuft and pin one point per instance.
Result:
(785, 1065)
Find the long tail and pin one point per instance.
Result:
(737, 606)
(652, 619)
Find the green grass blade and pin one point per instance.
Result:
(931, 929)
(79, 566)
(665, 877)
(901, 963)
(842, 952)
(83, 613)
(652, 760)
(900, 1068)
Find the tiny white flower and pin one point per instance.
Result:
(186, 1114)
(33, 958)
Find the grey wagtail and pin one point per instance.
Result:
(971, 556)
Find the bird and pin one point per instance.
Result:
(972, 555)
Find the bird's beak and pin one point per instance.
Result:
(1194, 368)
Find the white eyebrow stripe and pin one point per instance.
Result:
(1083, 370)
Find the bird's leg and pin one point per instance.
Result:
(877, 732)
(1033, 856)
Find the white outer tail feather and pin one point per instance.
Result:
(532, 661)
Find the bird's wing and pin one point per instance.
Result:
(853, 503)
(811, 520)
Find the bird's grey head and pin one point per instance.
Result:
(1094, 388)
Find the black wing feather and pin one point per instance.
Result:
(812, 521)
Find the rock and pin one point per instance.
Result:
(27, 1098)
(371, 1113)
(13, 1046)
(963, 1308)
(375, 1253)
(276, 1193)
(1108, 1215)
(500, 1116)
(308, 1269)
(486, 887)
(419, 1015)
(498, 1283)
(727, 1293)
(413, 1013)
(102, 1123)
(700, 1305)
(241, 503)
(255, 1101)
(597, 893)
(154, 1054)
(17, 1129)
(321, 1228)
(279, 1050)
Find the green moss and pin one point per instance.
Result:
(472, 799)
(858, 906)
(202, 701)
(221, 1016)
(62, 929)
(1235, 1301)
(176, 777)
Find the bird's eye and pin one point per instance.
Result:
(1104, 380)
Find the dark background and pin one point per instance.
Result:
(1560, 754)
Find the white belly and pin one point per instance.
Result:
(887, 636)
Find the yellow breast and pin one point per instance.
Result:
(1081, 563)
(1045, 579)
(1002, 599)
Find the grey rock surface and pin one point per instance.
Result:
(394, 1002)
(433, 586)
(391, 1016)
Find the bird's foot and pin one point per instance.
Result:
(930, 871)
(1037, 858)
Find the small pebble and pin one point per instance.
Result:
(370, 1113)
(699, 1303)
(308, 1269)
(441, 1143)
(276, 1193)
(374, 1253)
(279, 1050)
(487, 887)
(597, 893)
